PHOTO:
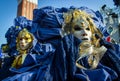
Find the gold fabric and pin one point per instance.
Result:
(17, 62)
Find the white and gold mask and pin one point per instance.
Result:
(82, 30)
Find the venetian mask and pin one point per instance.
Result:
(24, 40)
(82, 30)
(81, 25)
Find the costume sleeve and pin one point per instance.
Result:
(110, 58)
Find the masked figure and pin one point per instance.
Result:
(88, 51)
(33, 60)
(24, 43)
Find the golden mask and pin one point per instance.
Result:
(24, 40)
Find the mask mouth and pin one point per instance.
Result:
(85, 39)
(22, 45)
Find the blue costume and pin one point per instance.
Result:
(53, 58)
(108, 68)
(48, 65)
(101, 73)
(36, 66)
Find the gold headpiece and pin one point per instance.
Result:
(73, 16)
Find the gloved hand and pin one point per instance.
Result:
(103, 42)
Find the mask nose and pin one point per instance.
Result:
(22, 41)
(84, 33)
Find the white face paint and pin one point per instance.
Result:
(24, 43)
(82, 30)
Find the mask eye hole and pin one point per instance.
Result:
(21, 38)
(87, 28)
(26, 38)
(77, 28)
